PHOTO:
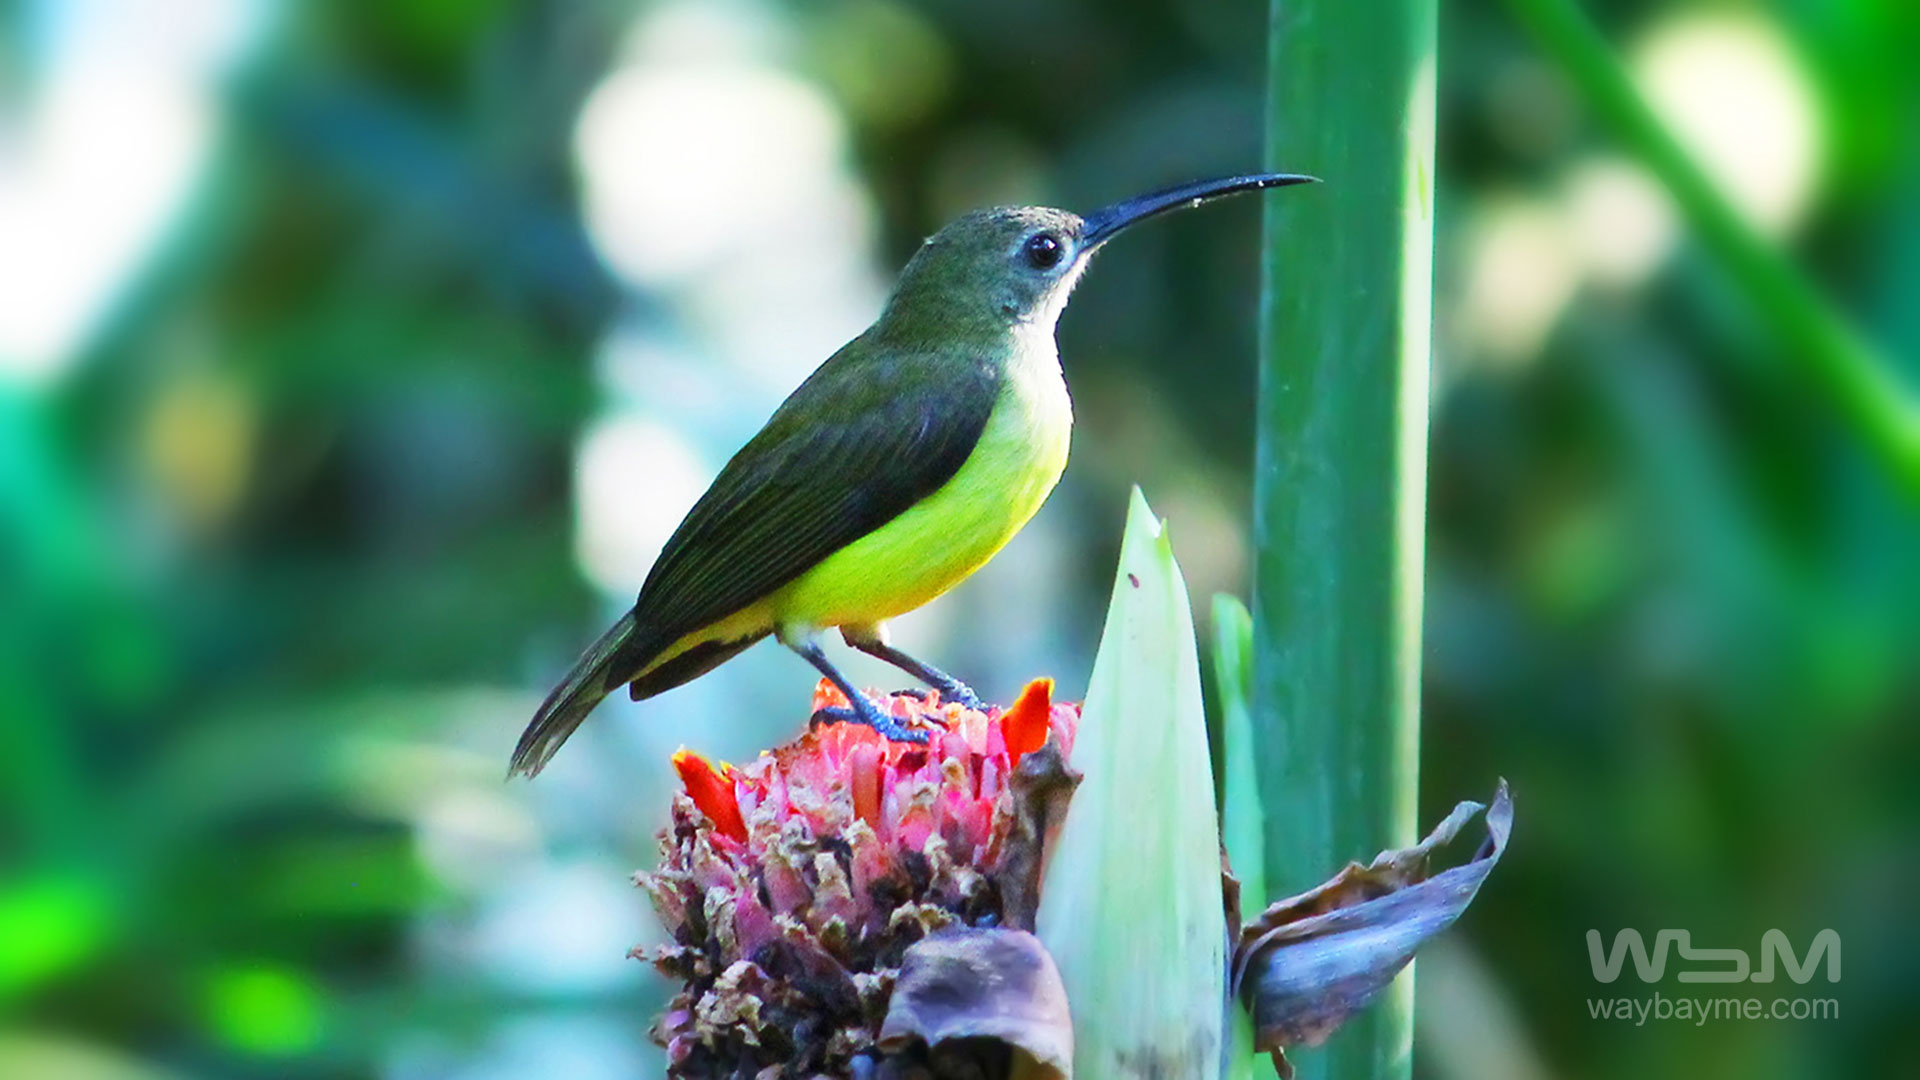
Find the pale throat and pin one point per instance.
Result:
(1035, 353)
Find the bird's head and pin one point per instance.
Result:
(1016, 265)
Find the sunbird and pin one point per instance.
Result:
(897, 469)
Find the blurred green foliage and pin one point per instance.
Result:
(287, 543)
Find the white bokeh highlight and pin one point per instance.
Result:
(1727, 83)
(98, 158)
(719, 187)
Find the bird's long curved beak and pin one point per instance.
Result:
(1103, 224)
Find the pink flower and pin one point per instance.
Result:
(792, 885)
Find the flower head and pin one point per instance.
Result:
(794, 884)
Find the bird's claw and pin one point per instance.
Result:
(917, 694)
(886, 726)
(962, 695)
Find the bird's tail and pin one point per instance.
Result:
(606, 665)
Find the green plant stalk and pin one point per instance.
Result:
(1858, 381)
(1241, 817)
(1340, 471)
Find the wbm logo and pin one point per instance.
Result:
(1652, 968)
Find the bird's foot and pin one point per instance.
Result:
(959, 693)
(922, 696)
(862, 710)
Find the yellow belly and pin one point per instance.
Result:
(940, 540)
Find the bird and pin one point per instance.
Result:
(894, 471)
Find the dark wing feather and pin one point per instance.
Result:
(868, 435)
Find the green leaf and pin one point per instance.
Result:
(1242, 818)
(1132, 910)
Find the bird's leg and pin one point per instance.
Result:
(860, 708)
(872, 640)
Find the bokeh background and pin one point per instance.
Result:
(357, 357)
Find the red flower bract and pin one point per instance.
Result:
(793, 884)
(711, 789)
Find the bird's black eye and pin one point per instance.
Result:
(1043, 251)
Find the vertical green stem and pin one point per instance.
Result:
(1340, 482)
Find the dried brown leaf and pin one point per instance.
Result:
(1041, 785)
(994, 984)
(1310, 961)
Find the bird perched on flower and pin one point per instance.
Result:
(896, 470)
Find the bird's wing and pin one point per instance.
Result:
(859, 442)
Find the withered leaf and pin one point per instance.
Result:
(972, 983)
(1310, 961)
(1042, 785)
